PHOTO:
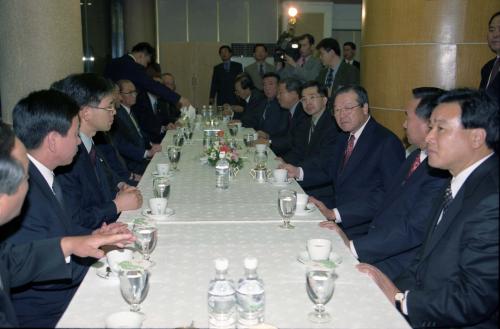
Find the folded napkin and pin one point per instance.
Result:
(189, 111)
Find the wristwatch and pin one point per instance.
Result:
(398, 300)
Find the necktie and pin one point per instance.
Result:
(56, 188)
(329, 78)
(261, 69)
(494, 71)
(348, 150)
(447, 199)
(135, 123)
(226, 66)
(414, 166)
(93, 155)
(311, 131)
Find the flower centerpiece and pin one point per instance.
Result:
(220, 145)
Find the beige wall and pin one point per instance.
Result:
(414, 43)
(139, 22)
(41, 42)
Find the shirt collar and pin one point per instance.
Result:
(87, 141)
(423, 155)
(248, 98)
(357, 134)
(459, 180)
(47, 174)
(293, 108)
(132, 57)
(126, 108)
(315, 120)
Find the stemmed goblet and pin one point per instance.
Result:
(147, 236)
(320, 284)
(134, 286)
(287, 203)
(161, 187)
(174, 155)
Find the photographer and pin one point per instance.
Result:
(306, 67)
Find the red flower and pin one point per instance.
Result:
(224, 148)
(220, 133)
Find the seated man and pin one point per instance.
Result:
(37, 261)
(453, 280)
(171, 111)
(127, 135)
(289, 98)
(87, 182)
(362, 166)
(251, 97)
(319, 140)
(398, 228)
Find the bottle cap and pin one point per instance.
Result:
(221, 264)
(250, 263)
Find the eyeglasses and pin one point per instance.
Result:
(347, 110)
(310, 98)
(110, 108)
(132, 92)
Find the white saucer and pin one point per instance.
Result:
(309, 209)
(334, 259)
(280, 184)
(147, 212)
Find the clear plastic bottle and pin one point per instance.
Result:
(222, 172)
(221, 298)
(250, 296)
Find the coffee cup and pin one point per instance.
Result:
(116, 256)
(162, 169)
(302, 201)
(158, 206)
(124, 320)
(319, 249)
(280, 175)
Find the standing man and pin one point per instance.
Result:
(490, 76)
(307, 67)
(257, 70)
(223, 78)
(336, 72)
(132, 67)
(453, 281)
(349, 53)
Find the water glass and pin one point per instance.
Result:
(287, 203)
(179, 138)
(161, 187)
(174, 155)
(320, 284)
(134, 286)
(233, 130)
(147, 236)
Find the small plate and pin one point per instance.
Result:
(280, 184)
(333, 261)
(169, 212)
(310, 207)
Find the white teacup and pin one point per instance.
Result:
(319, 249)
(124, 320)
(260, 147)
(280, 175)
(162, 169)
(302, 201)
(158, 206)
(116, 256)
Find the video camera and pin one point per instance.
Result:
(287, 45)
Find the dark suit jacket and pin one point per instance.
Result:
(494, 87)
(222, 83)
(315, 152)
(293, 139)
(273, 119)
(22, 264)
(346, 75)
(149, 120)
(356, 64)
(126, 68)
(42, 217)
(250, 115)
(87, 190)
(398, 229)
(360, 187)
(129, 142)
(453, 281)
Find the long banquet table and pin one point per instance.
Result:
(233, 223)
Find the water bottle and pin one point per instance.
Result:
(250, 297)
(221, 298)
(222, 172)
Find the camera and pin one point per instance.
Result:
(287, 46)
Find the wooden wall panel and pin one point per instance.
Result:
(392, 120)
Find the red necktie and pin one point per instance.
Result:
(414, 166)
(348, 150)
(93, 155)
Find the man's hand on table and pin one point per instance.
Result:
(383, 282)
(88, 245)
(293, 172)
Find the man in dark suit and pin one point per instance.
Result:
(490, 75)
(289, 98)
(126, 133)
(86, 181)
(37, 260)
(336, 72)
(172, 112)
(453, 280)
(349, 50)
(319, 140)
(399, 227)
(223, 78)
(360, 168)
(132, 67)
(252, 99)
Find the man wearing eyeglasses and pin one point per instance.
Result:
(89, 181)
(360, 168)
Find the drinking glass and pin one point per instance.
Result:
(188, 133)
(248, 139)
(174, 155)
(134, 285)
(179, 138)
(233, 130)
(320, 283)
(146, 235)
(161, 187)
(287, 202)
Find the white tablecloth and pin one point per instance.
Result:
(239, 222)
